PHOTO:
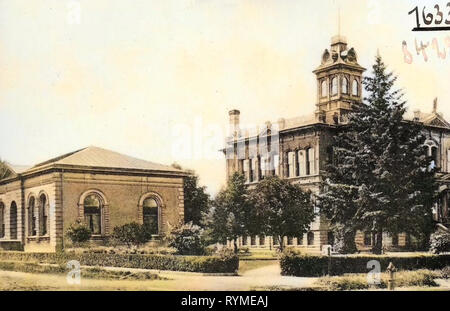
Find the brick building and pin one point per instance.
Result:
(299, 148)
(102, 188)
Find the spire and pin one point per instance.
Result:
(339, 20)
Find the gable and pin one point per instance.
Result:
(438, 122)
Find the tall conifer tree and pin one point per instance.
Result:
(381, 180)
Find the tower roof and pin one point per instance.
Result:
(339, 54)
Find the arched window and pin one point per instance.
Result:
(344, 85)
(310, 237)
(2, 220)
(355, 87)
(334, 86)
(150, 210)
(43, 214)
(300, 240)
(324, 88)
(93, 213)
(13, 221)
(32, 217)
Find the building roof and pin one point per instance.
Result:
(17, 169)
(95, 157)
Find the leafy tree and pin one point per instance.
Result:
(281, 209)
(381, 180)
(230, 212)
(196, 200)
(131, 234)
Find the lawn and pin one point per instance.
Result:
(247, 265)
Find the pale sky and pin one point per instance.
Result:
(137, 76)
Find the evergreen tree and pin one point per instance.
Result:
(381, 180)
(230, 211)
(281, 209)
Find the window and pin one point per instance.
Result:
(330, 238)
(300, 240)
(246, 170)
(262, 167)
(448, 160)
(344, 85)
(276, 164)
(262, 240)
(355, 87)
(32, 217)
(434, 156)
(43, 214)
(253, 240)
(244, 240)
(367, 238)
(290, 240)
(252, 169)
(310, 238)
(13, 221)
(334, 86)
(150, 210)
(395, 240)
(291, 164)
(93, 213)
(2, 220)
(324, 88)
(310, 157)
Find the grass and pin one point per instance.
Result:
(89, 273)
(417, 278)
(248, 265)
(257, 254)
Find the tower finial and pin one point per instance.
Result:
(339, 20)
(435, 103)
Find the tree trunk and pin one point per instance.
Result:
(377, 247)
(280, 238)
(236, 249)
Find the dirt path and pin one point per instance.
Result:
(264, 277)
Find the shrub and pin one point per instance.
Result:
(307, 265)
(131, 234)
(205, 264)
(440, 242)
(187, 239)
(78, 232)
(445, 273)
(419, 278)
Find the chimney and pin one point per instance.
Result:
(234, 122)
(417, 115)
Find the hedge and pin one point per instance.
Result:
(205, 264)
(313, 266)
